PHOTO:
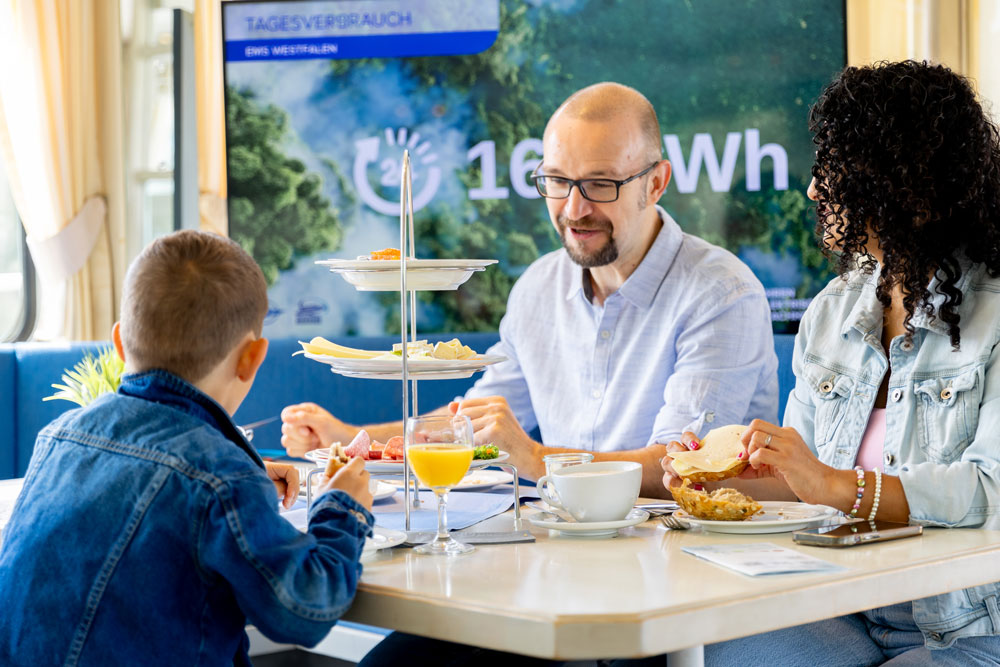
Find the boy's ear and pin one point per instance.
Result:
(251, 357)
(116, 336)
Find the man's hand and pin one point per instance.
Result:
(306, 426)
(494, 422)
(353, 479)
(286, 480)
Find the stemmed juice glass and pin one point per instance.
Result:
(439, 449)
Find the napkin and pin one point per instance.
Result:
(761, 558)
(465, 508)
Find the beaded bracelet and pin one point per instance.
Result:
(861, 490)
(878, 493)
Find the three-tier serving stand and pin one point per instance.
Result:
(408, 317)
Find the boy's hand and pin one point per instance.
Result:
(286, 479)
(353, 479)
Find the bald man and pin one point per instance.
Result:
(631, 334)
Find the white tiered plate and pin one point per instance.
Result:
(321, 456)
(382, 275)
(418, 369)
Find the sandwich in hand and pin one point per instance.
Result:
(721, 456)
(338, 459)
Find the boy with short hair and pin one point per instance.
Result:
(148, 531)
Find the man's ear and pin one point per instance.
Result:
(661, 178)
(116, 336)
(251, 357)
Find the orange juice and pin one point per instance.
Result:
(439, 464)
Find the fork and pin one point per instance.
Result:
(673, 523)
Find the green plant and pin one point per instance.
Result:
(90, 378)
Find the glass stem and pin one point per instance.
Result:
(442, 515)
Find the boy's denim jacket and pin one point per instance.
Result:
(942, 416)
(148, 532)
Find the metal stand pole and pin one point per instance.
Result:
(517, 493)
(403, 319)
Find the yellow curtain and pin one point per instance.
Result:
(940, 31)
(60, 138)
(211, 116)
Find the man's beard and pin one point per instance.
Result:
(603, 256)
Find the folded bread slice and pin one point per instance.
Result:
(720, 456)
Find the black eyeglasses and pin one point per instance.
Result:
(600, 190)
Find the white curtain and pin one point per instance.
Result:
(61, 142)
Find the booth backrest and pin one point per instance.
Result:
(28, 370)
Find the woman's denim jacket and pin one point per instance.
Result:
(942, 417)
(148, 533)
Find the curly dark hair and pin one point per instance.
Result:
(906, 153)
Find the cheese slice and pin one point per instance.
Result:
(320, 345)
(719, 452)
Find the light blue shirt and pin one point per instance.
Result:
(684, 344)
(942, 416)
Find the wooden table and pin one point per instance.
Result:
(639, 595)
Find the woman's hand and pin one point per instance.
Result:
(689, 441)
(306, 426)
(352, 479)
(782, 453)
(286, 480)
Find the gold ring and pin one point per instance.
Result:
(767, 440)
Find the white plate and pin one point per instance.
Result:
(321, 456)
(475, 480)
(776, 517)
(392, 369)
(588, 528)
(397, 376)
(382, 275)
(413, 365)
(383, 490)
(383, 538)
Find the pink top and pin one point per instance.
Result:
(870, 453)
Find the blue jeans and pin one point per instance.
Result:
(882, 636)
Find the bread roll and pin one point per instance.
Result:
(338, 459)
(719, 505)
(721, 456)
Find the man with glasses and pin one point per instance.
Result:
(631, 334)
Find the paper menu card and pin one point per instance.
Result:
(759, 558)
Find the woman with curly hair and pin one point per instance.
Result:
(895, 413)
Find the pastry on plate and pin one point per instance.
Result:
(719, 505)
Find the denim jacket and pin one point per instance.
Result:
(942, 416)
(148, 533)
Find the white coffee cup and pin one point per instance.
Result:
(604, 491)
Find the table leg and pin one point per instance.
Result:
(688, 657)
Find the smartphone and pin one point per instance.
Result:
(858, 532)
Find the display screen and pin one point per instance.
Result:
(322, 97)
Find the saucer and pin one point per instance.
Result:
(588, 528)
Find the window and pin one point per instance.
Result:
(147, 40)
(16, 276)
